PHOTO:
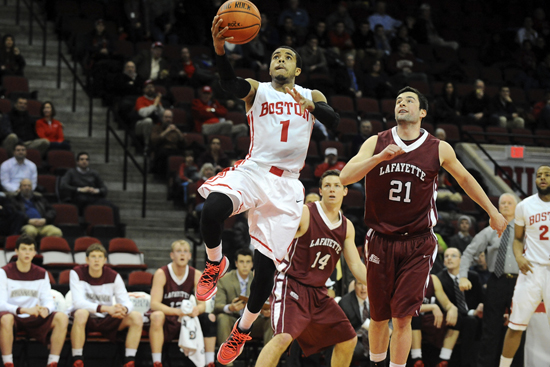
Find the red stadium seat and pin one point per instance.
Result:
(523, 137)
(183, 94)
(100, 221)
(15, 84)
(61, 161)
(56, 253)
(3, 155)
(453, 134)
(49, 183)
(476, 133)
(124, 255)
(238, 118)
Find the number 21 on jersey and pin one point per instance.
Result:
(396, 191)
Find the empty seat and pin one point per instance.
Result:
(347, 129)
(523, 136)
(453, 134)
(476, 132)
(49, 183)
(238, 118)
(123, 48)
(140, 281)
(182, 94)
(81, 244)
(56, 253)
(9, 246)
(61, 161)
(15, 84)
(495, 135)
(35, 157)
(194, 139)
(5, 105)
(3, 155)
(543, 137)
(125, 255)
(387, 107)
(367, 106)
(100, 220)
(67, 220)
(64, 277)
(342, 104)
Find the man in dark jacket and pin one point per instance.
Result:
(503, 110)
(356, 307)
(11, 221)
(476, 105)
(19, 126)
(39, 214)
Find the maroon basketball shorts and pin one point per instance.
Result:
(309, 315)
(398, 268)
(36, 327)
(107, 326)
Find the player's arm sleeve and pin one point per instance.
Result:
(478, 245)
(77, 292)
(229, 81)
(4, 295)
(46, 298)
(326, 115)
(121, 294)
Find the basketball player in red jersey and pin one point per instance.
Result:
(281, 117)
(400, 167)
(301, 308)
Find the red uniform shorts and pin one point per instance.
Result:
(309, 315)
(398, 268)
(35, 326)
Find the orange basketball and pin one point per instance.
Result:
(243, 19)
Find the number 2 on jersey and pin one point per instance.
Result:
(284, 131)
(397, 187)
(544, 233)
(322, 261)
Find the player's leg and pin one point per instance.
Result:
(449, 342)
(400, 340)
(217, 208)
(379, 339)
(7, 321)
(343, 353)
(272, 351)
(57, 339)
(78, 334)
(156, 335)
(416, 344)
(208, 327)
(134, 323)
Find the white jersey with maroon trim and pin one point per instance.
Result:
(26, 290)
(279, 133)
(534, 214)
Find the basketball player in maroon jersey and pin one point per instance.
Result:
(400, 168)
(301, 308)
(172, 284)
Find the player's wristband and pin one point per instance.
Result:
(324, 113)
(229, 81)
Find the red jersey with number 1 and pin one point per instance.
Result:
(312, 258)
(401, 192)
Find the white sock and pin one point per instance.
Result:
(445, 354)
(505, 362)
(397, 365)
(416, 353)
(130, 352)
(209, 357)
(77, 352)
(52, 358)
(247, 319)
(157, 357)
(7, 358)
(214, 254)
(378, 357)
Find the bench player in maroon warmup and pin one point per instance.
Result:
(301, 308)
(400, 167)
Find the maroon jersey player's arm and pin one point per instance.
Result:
(365, 160)
(448, 160)
(450, 309)
(351, 255)
(304, 223)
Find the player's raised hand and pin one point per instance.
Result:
(390, 152)
(217, 35)
(304, 102)
(498, 223)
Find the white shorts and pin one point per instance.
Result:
(274, 200)
(530, 290)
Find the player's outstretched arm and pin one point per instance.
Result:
(351, 255)
(448, 160)
(241, 88)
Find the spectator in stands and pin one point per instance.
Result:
(402, 35)
(440, 134)
(163, 17)
(19, 126)
(349, 80)
(166, 140)
(541, 110)
(363, 41)
(527, 32)
(377, 82)
(331, 162)
(16, 169)
(51, 129)
(232, 295)
(299, 16)
(188, 172)
(128, 83)
(234, 54)
(321, 31)
(94, 286)
(341, 15)
(356, 307)
(403, 67)
(185, 71)
(11, 220)
(11, 60)
(447, 198)
(136, 24)
(527, 60)
(504, 271)
(207, 171)
(365, 132)
(26, 304)
(99, 43)
(482, 269)
(504, 112)
(313, 57)
(268, 34)
(173, 285)
(150, 110)
(448, 105)
(254, 52)
(312, 197)
(469, 303)
(150, 63)
(214, 154)
(39, 214)
(425, 32)
(380, 17)
(209, 116)
(85, 187)
(477, 104)
(339, 39)
(381, 41)
(462, 238)
(540, 23)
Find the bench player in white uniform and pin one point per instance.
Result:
(532, 251)
(281, 117)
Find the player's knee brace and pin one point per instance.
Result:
(262, 283)
(217, 208)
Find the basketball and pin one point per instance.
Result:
(243, 19)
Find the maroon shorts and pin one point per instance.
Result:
(309, 315)
(171, 326)
(36, 327)
(397, 273)
(107, 326)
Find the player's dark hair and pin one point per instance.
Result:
(423, 100)
(330, 172)
(298, 57)
(81, 154)
(96, 247)
(25, 239)
(243, 252)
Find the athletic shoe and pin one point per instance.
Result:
(233, 346)
(157, 364)
(8, 364)
(78, 363)
(418, 363)
(129, 364)
(53, 364)
(206, 287)
(443, 364)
